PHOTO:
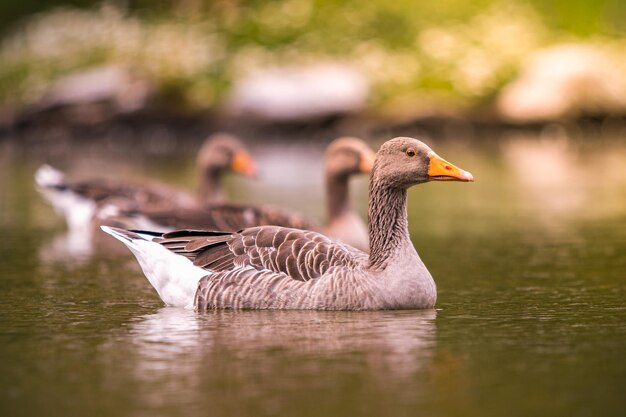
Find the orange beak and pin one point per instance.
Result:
(441, 170)
(367, 162)
(243, 164)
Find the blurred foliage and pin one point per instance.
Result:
(452, 50)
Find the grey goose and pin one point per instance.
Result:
(272, 267)
(80, 201)
(344, 158)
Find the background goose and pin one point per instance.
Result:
(78, 201)
(345, 157)
(219, 216)
(273, 267)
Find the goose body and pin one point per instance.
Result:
(220, 216)
(271, 267)
(80, 202)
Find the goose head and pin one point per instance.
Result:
(347, 156)
(403, 162)
(222, 152)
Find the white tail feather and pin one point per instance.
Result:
(174, 277)
(47, 176)
(77, 210)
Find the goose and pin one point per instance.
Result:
(80, 201)
(272, 267)
(344, 158)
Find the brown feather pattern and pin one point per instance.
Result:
(249, 269)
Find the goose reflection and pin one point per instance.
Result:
(175, 343)
(78, 247)
(72, 246)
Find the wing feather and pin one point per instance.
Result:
(300, 255)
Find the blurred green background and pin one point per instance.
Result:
(580, 17)
(416, 56)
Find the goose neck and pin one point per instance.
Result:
(388, 225)
(210, 190)
(337, 196)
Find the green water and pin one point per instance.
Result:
(530, 263)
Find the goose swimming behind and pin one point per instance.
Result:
(271, 267)
(79, 201)
(345, 157)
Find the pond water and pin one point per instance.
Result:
(530, 263)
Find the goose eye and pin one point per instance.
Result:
(410, 152)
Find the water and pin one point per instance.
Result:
(531, 317)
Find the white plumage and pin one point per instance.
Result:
(174, 277)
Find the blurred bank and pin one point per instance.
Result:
(308, 60)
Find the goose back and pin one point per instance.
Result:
(148, 196)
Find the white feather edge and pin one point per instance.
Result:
(47, 176)
(137, 220)
(77, 210)
(174, 277)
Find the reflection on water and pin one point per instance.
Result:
(394, 343)
(548, 172)
(558, 177)
(77, 246)
(175, 351)
(73, 245)
(529, 262)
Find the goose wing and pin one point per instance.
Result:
(300, 254)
